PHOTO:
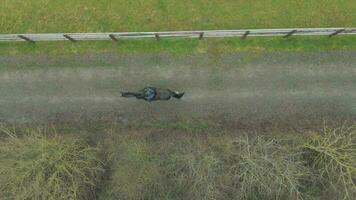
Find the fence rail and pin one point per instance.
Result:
(115, 36)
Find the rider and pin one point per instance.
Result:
(150, 93)
(153, 94)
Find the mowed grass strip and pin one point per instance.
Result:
(50, 16)
(38, 16)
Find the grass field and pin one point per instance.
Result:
(17, 16)
(40, 16)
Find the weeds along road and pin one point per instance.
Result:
(246, 88)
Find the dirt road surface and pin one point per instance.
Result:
(247, 89)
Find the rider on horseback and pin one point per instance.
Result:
(153, 94)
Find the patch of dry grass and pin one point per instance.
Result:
(37, 166)
(332, 155)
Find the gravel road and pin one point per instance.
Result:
(247, 89)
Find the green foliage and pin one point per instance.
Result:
(36, 166)
(332, 155)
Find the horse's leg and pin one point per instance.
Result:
(130, 94)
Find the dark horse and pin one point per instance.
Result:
(153, 94)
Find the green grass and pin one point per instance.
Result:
(37, 166)
(18, 16)
(37, 16)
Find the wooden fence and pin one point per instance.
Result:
(116, 36)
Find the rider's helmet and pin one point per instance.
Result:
(150, 93)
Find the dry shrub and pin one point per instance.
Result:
(245, 168)
(264, 169)
(192, 171)
(331, 153)
(134, 170)
(35, 166)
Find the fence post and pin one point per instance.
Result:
(26, 38)
(201, 35)
(157, 36)
(290, 33)
(69, 38)
(336, 32)
(245, 34)
(112, 36)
